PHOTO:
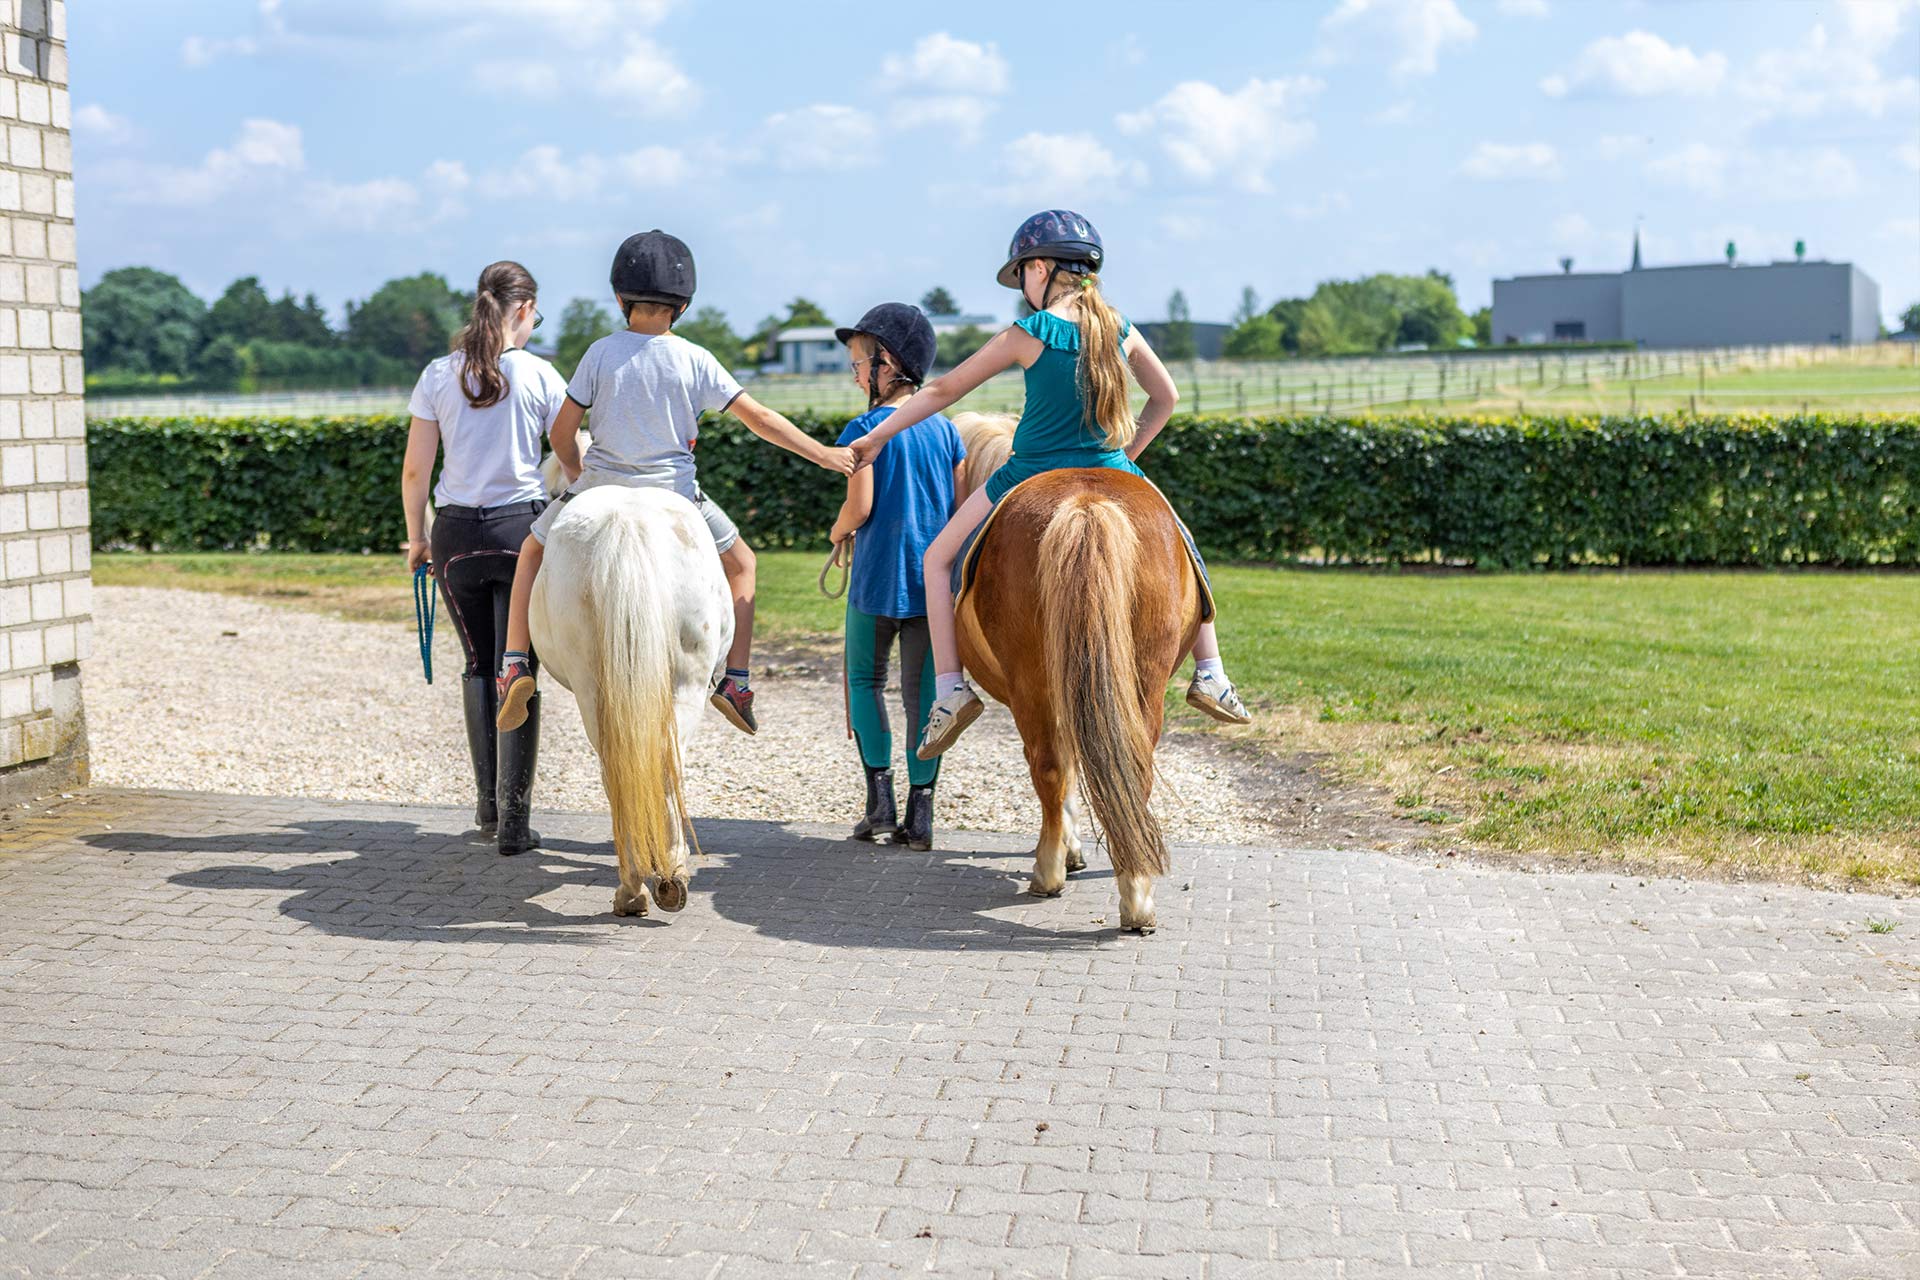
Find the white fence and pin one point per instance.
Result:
(1347, 386)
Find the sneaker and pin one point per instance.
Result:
(512, 690)
(948, 719)
(736, 704)
(1214, 694)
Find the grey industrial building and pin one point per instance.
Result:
(1714, 304)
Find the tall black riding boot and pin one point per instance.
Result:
(882, 821)
(917, 833)
(476, 693)
(518, 750)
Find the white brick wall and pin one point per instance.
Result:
(46, 596)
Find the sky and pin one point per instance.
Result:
(858, 153)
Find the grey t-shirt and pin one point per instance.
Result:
(647, 393)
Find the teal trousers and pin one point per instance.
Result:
(869, 646)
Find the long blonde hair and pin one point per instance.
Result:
(1102, 372)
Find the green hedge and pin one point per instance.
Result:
(1493, 492)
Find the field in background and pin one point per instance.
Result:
(1740, 723)
(1884, 377)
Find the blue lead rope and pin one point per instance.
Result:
(426, 603)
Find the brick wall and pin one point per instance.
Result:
(45, 591)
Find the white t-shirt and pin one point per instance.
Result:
(647, 392)
(492, 455)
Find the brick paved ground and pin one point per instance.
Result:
(288, 1038)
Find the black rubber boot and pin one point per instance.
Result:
(882, 822)
(477, 695)
(917, 833)
(519, 749)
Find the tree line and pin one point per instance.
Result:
(1380, 312)
(146, 330)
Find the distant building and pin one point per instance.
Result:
(814, 349)
(1713, 304)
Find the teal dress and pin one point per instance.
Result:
(1053, 432)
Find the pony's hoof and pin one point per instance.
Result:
(1039, 890)
(1076, 860)
(1141, 927)
(671, 894)
(629, 904)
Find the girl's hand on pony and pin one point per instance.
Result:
(838, 459)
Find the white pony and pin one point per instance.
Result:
(631, 611)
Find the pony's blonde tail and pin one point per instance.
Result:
(639, 738)
(1088, 561)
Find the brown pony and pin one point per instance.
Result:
(1083, 603)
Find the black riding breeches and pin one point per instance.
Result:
(475, 551)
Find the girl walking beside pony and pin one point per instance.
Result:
(1077, 352)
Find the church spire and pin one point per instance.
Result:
(1636, 250)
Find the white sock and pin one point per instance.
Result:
(946, 682)
(1203, 667)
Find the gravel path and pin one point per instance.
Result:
(202, 692)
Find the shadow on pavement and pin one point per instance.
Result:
(396, 880)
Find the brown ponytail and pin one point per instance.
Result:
(1102, 368)
(503, 286)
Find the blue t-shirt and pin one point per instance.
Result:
(912, 499)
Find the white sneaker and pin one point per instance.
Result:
(947, 719)
(1214, 694)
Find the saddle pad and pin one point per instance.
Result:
(964, 564)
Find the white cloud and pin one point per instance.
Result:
(95, 119)
(1056, 169)
(945, 83)
(1323, 205)
(1620, 146)
(1523, 8)
(1639, 65)
(1902, 231)
(203, 51)
(965, 117)
(556, 46)
(361, 206)
(448, 175)
(1127, 51)
(1774, 176)
(1836, 69)
(941, 65)
(822, 137)
(1696, 166)
(535, 79)
(1401, 112)
(653, 167)
(1515, 161)
(1184, 226)
(1413, 33)
(1908, 154)
(1209, 133)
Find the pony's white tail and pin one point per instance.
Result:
(639, 739)
(1089, 559)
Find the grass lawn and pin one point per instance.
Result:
(1725, 722)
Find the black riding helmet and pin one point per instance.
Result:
(1059, 234)
(653, 266)
(904, 331)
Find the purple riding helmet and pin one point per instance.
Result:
(1059, 234)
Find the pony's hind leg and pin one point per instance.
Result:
(1136, 903)
(670, 891)
(1070, 828)
(630, 899)
(1050, 783)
